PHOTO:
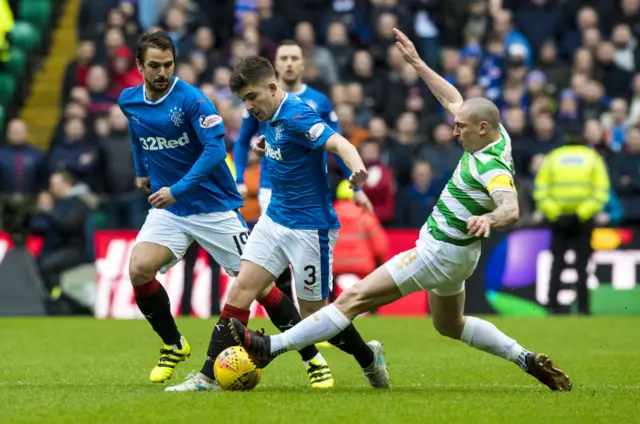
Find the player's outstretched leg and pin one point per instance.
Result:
(448, 319)
(251, 280)
(376, 290)
(153, 301)
(284, 315)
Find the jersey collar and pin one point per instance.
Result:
(303, 88)
(489, 146)
(161, 99)
(284, 99)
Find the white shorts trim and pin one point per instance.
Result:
(433, 265)
(264, 197)
(310, 253)
(222, 234)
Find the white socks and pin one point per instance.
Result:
(486, 337)
(318, 327)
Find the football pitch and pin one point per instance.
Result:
(71, 370)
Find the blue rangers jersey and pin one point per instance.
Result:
(251, 126)
(178, 142)
(301, 194)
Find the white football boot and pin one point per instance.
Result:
(377, 372)
(195, 383)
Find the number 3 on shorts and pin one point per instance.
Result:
(312, 274)
(407, 258)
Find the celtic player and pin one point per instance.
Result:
(479, 196)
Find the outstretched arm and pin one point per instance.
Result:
(447, 94)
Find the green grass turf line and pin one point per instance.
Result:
(88, 371)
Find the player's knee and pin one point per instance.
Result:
(449, 329)
(353, 301)
(141, 271)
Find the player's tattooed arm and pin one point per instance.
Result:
(507, 211)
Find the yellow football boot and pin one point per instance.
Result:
(319, 374)
(169, 358)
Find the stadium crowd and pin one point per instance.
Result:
(557, 69)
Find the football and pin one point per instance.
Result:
(235, 371)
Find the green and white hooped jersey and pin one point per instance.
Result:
(468, 191)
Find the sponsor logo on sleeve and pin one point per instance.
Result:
(315, 131)
(210, 121)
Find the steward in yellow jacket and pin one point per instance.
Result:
(571, 187)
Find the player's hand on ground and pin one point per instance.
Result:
(162, 198)
(361, 199)
(144, 183)
(357, 178)
(242, 188)
(259, 146)
(407, 48)
(479, 226)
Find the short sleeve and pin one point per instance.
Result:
(203, 117)
(307, 128)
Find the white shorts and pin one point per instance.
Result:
(310, 253)
(434, 265)
(222, 234)
(264, 196)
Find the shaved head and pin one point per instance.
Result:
(477, 124)
(479, 110)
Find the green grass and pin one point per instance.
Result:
(89, 371)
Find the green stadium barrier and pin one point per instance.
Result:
(25, 36)
(17, 64)
(7, 89)
(36, 12)
(1, 118)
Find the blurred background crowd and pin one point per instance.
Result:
(558, 70)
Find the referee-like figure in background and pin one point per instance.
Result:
(571, 187)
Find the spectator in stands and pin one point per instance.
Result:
(363, 106)
(124, 73)
(415, 202)
(348, 128)
(102, 95)
(380, 186)
(77, 69)
(61, 221)
(616, 123)
(306, 38)
(616, 80)
(75, 154)
(22, 167)
(404, 147)
(340, 47)
(556, 71)
(444, 154)
(22, 172)
(626, 176)
(363, 244)
(125, 206)
(631, 16)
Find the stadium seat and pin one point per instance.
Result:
(36, 12)
(17, 64)
(7, 89)
(25, 36)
